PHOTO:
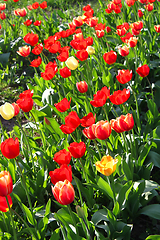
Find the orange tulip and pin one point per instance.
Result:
(107, 165)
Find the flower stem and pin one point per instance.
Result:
(13, 225)
(73, 219)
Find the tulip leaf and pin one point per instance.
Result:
(127, 171)
(152, 210)
(28, 214)
(153, 237)
(153, 157)
(100, 215)
(104, 186)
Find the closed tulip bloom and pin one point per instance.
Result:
(143, 71)
(24, 51)
(67, 129)
(88, 132)
(99, 99)
(90, 50)
(72, 120)
(37, 23)
(119, 97)
(7, 111)
(35, 5)
(108, 29)
(124, 51)
(63, 192)
(62, 157)
(72, 63)
(2, 6)
(107, 165)
(43, 5)
(137, 25)
(2, 16)
(77, 150)
(16, 109)
(124, 76)
(102, 129)
(82, 55)
(63, 105)
(31, 39)
(110, 57)
(61, 174)
(100, 33)
(63, 56)
(25, 104)
(37, 49)
(28, 22)
(82, 86)
(157, 28)
(88, 120)
(4, 204)
(26, 94)
(6, 184)
(132, 42)
(122, 123)
(10, 148)
(149, 7)
(140, 13)
(36, 62)
(65, 72)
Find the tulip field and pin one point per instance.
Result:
(82, 160)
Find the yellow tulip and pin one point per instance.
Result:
(90, 50)
(7, 111)
(107, 165)
(72, 63)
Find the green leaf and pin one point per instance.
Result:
(28, 214)
(151, 211)
(100, 215)
(127, 171)
(104, 186)
(153, 237)
(116, 209)
(153, 157)
(4, 58)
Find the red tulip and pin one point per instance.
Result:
(72, 121)
(37, 49)
(35, 5)
(65, 72)
(100, 33)
(157, 28)
(43, 5)
(64, 55)
(99, 99)
(143, 71)
(36, 62)
(2, 16)
(149, 7)
(102, 129)
(50, 71)
(82, 55)
(61, 174)
(10, 148)
(3, 203)
(25, 104)
(31, 39)
(16, 109)
(88, 120)
(28, 22)
(110, 57)
(124, 51)
(88, 132)
(26, 94)
(2, 6)
(82, 86)
(77, 149)
(122, 123)
(63, 105)
(62, 157)
(37, 23)
(108, 29)
(63, 192)
(124, 76)
(137, 25)
(132, 42)
(119, 97)
(140, 13)
(24, 51)
(6, 184)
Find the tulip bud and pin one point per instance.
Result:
(6, 184)
(72, 63)
(82, 86)
(80, 212)
(7, 111)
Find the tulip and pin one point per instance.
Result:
(82, 86)
(7, 111)
(88, 120)
(43, 5)
(124, 51)
(36, 62)
(100, 33)
(2, 6)
(63, 56)
(140, 13)
(90, 50)
(65, 72)
(37, 23)
(35, 5)
(119, 97)
(63, 192)
(10, 148)
(16, 109)
(149, 7)
(31, 39)
(72, 120)
(47, 121)
(61, 174)
(99, 99)
(88, 132)
(157, 28)
(50, 71)
(28, 22)
(82, 55)
(26, 94)
(143, 71)
(102, 129)
(137, 25)
(37, 49)
(107, 165)
(25, 104)
(122, 123)
(24, 51)
(108, 29)
(132, 42)
(6, 184)
(124, 76)
(63, 105)
(72, 63)
(77, 149)
(4, 205)
(62, 157)
(2, 16)
(110, 57)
